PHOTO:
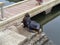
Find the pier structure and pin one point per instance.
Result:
(11, 29)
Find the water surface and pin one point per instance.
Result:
(50, 24)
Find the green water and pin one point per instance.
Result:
(50, 23)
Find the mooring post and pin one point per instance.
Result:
(1, 9)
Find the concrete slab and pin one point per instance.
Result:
(23, 31)
(8, 37)
(13, 28)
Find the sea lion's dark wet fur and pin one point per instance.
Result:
(32, 25)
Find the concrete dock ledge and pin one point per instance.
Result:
(8, 37)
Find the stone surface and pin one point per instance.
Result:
(13, 28)
(8, 37)
(25, 32)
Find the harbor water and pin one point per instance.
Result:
(50, 23)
